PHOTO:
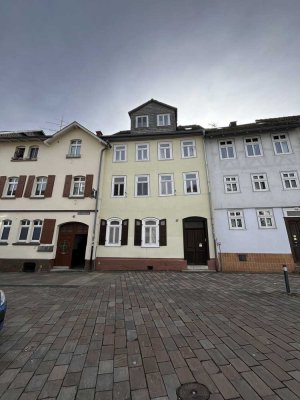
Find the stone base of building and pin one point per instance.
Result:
(21, 265)
(255, 262)
(140, 264)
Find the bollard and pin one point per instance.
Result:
(286, 279)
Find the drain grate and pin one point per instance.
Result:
(192, 391)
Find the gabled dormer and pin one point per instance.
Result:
(153, 116)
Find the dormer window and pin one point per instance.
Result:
(33, 153)
(75, 148)
(142, 121)
(19, 153)
(163, 120)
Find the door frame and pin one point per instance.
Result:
(287, 220)
(197, 219)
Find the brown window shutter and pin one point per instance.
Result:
(21, 185)
(48, 231)
(102, 235)
(29, 186)
(2, 184)
(137, 232)
(88, 185)
(163, 232)
(67, 187)
(50, 184)
(124, 236)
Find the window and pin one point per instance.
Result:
(259, 182)
(191, 182)
(78, 186)
(142, 152)
(37, 230)
(12, 186)
(253, 147)
(290, 180)
(231, 184)
(236, 219)
(281, 144)
(120, 152)
(113, 232)
(188, 149)
(142, 121)
(33, 153)
(226, 149)
(5, 229)
(150, 233)
(165, 151)
(118, 186)
(19, 153)
(142, 185)
(163, 120)
(166, 185)
(25, 225)
(40, 186)
(265, 219)
(75, 148)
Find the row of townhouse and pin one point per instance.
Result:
(158, 196)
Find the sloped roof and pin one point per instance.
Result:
(153, 101)
(13, 136)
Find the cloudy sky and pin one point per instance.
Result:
(94, 60)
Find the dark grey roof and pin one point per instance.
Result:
(153, 101)
(22, 135)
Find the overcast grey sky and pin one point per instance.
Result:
(94, 60)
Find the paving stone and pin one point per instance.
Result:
(58, 372)
(140, 394)
(166, 368)
(104, 382)
(137, 378)
(155, 385)
(72, 379)
(21, 380)
(50, 389)
(36, 383)
(67, 393)
(150, 364)
(184, 375)
(9, 375)
(171, 383)
(121, 374)
(88, 378)
(85, 394)
(12, 394)
(121, 391)
(286, 394)
(108, 395)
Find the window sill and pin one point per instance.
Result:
(37, 197)
(3, 244)
(73, 156)
(165, 159)
(26, 244)
(153, 246)
(8, 197)
(23, 159)
(76, 197)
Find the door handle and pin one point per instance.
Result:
(200, 244)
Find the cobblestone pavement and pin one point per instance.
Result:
(140, 336)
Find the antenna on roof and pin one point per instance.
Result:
(61, 123)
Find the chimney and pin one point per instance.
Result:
(99, 133)
(232, 123)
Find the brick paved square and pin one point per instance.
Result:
(138, 336)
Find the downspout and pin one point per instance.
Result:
(219, 268)
(96, 212)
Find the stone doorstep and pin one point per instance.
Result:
(196, 268)
(66, 269)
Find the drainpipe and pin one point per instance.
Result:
(210, 203)
(96, 212)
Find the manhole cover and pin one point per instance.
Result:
(192, 391)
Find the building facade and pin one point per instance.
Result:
(48, 205)
(254, 178)
(155, 211)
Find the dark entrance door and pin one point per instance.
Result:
(71, 245)
(195, 240)
(293, 228)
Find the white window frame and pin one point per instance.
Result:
(254, 142)
(78, 186)
(166, 184)
(113, 225)
(229, 143)
(75, 148)
(290, 178)
(263, 216)
(146, 227)
(229, 182)
(139, 152)
(259, 179)
(235, 216)
(24, 224)
(6, 224)
(40, 186)
(137, 182)
(167, 148)
(113, 183)
(186, 180)
(35, 151)
(17, 155)
(12, 185)
(120, 153)
(280, 141)
(163, 119)
(140, 118)
(190, 149)
(37, 224)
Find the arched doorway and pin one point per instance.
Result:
(195, 240)
(71, 245)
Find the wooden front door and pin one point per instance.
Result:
(71, 245)
(195, 241)
(293, 228)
